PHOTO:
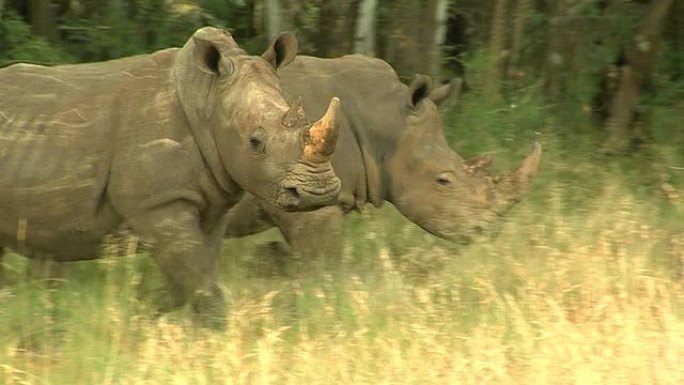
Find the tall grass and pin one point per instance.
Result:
(582, 285)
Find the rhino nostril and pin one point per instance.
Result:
(292, 192)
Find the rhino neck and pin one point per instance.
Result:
(194, 90)
(375, 186)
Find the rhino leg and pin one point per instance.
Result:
(36, 269)
(45, 269)
(2, 268)
(314, 235)
(187, 256)
(247, 217)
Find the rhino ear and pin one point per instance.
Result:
(207, 56)
(447, 95)
(420, 88)
(207, 53)
(282, 51)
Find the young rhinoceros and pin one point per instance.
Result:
(392, 147)
(164, 144)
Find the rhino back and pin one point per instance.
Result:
(363, 83)
(60, 128)
(373, 101)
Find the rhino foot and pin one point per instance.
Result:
(210, 308)
(45, 341)
(166, 300)
(270, 259)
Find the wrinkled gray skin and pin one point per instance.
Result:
(163, 144)
(391, 148)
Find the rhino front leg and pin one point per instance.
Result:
(45, 269)
(2, 267)
(187, 256)
(247, 217)
(315, 236)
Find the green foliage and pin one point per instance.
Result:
(18, 44)
(110, 30)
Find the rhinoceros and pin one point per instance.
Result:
(162, 144)
(391, 148)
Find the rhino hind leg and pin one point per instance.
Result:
(187, 257)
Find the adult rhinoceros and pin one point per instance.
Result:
(164, 144)
(391, 148)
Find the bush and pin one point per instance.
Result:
(17, 43)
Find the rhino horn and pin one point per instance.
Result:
(511, 187)
(481, 164)
(321, 139)
(295, 115)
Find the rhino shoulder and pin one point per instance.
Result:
(155, 172)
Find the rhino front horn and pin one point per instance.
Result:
(321, 139)
(511, 187)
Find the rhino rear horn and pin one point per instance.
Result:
(481, 164)
(511, 187)
(295, 115)
(321, 139)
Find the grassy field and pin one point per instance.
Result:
(583, 285)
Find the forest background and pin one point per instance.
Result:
(583, 285)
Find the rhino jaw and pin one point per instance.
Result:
(321, 139)
(511, 187)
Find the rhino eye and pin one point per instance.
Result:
(443, 180)
(257, 141)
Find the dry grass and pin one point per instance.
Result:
(590, 295)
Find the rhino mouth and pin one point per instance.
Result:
(466, 233)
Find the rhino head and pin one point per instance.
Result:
(248, 134)
(433, 186)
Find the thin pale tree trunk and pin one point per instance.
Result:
(276, 18)
(273, 17)
(639, 60)
(364, 37)
(555, 58)
(496, 46)
(441, 16)
(522, 12)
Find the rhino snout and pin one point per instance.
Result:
(297, 196)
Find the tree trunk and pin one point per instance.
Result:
(273, 17)
(639, 59)
(410, 38)
(496, 48)
(522, 12)
(441, 16)
(42, 19)
(277, 17)
(556, 58)
(337, 19)
(364, 38)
